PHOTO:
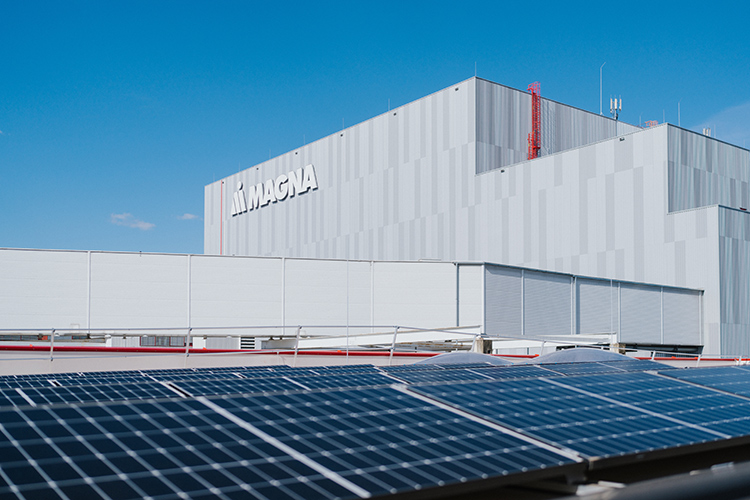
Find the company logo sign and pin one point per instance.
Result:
(282, 187)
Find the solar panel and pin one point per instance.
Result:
(89, 393)
(723, 414)
(734, 379)
(637, 365)
(385, 441)
(238, 386)
(579, 368)
(432, 376)
(344, 380)
(141, 450)
(307, 445)
(583, 414)
(517, 371)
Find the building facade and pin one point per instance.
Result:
(446, 178)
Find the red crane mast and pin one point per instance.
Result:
(535, 137)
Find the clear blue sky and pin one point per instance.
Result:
(115, 114)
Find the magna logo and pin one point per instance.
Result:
(284, 186)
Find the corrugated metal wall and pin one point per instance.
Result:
(704, 171)
(504, 122)
(734, 249)
(522, 302)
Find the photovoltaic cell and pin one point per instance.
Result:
(562, 411)
(386, 441)
(436, 376)
(376, 440)
(139, 450)
(628, 365)
(579, 368)
(210, 387)
(734, 379)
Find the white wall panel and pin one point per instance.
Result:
(471, 295)
(415, 294)
(138, 290)
(40, 289)
(315, 292)
(235, 291)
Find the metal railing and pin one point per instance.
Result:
(385, 338)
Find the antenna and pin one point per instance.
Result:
(615, 106)
(600, 87)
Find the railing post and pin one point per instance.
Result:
(52, 346)
(393, 346)
(296, 346)
(187, 344)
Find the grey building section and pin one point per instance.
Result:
(734, 252)
(504, 122)
(704, 171)
(607, 200)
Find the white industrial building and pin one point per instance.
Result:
(431, 217)
(446, 178)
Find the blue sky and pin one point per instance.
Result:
(115, 115)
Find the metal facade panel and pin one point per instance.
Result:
(315, 292)
(704, 171)
(421, 294)
(235, 291)
(359, 301)
(138, 290)
(734, 275)
(386, 189)
(43, 289)
(682, 317)
(547, 304)
(504, 122)
(640, 314)
(503, 301)
(470, 295)
(597, 306)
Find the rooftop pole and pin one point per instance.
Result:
(600, 87)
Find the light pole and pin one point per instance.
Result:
(600, 87)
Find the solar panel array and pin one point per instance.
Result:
(349, 432)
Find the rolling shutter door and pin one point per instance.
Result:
(547, 304)
(502, 301)
(681, 317)
(597, 307)
(641, 314)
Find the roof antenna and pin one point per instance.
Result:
(615, 106)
